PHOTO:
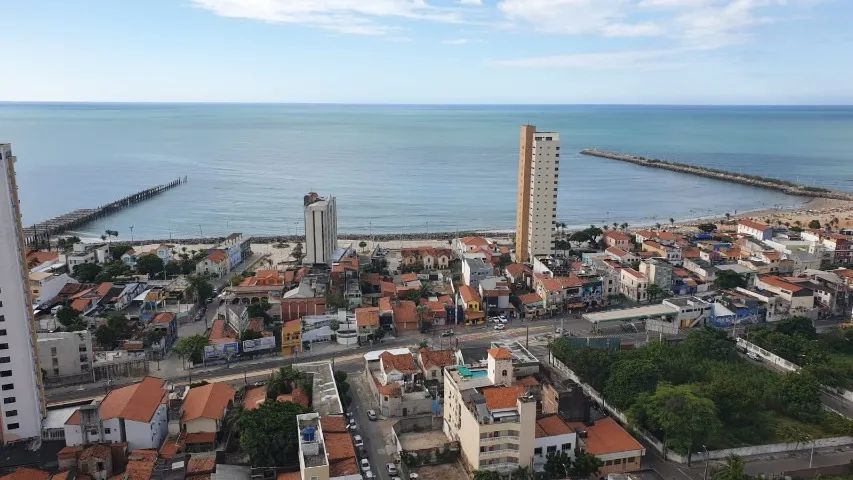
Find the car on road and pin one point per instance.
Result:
(396, 478)
(365, 465)
(503, 319)
(500, 326)
(371, 414)
(368, 475)
(447, 333)
(352, 425)
(392, 469)
(358, 441)
(558, 331)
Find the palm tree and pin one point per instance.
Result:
(672, 221)
(615, 225)
(657, 225)
(362, 245)
(733, 469)
(624, 226)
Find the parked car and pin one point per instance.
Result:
(413, 476)
(352, 425)
(447, 333)
(365, 465)
(503, 319)
(500, 326)
(368, 475)
(371, 414)
(392, 469)
(358, 441)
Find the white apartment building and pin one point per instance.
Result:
(539, 166)
(492, 418)
(321, 229)
(22, 408)
(65, 353)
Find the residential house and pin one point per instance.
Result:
(433, 362)
(798, 295)
(621, 255)
(532, 304)
(163, 251)
(394, 384)
(86, 253)
(291, 337)
(634, 285)
(214, 264)
(618, 239)
(406, 316)
(236, 247)
(495, 292)
(167, 323)
(204, 408)
(469, 297)
(610, 443)
(326, 449)
(553, 435)
(473, 244)
(306, 299)
(45, 286)
(65, 354)
(475, 269)
(428, 258)
(367, 321)
(658, 272)
(757, 230)
(135, 414)
(670, 254)
(519, 274)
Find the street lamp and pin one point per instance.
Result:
(705, 473)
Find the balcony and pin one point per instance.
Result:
(504, 452)
(501, 439)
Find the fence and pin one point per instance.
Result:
(767, 355)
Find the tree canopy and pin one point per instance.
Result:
(86, 272)
(149, 264)
(269, 433)
(727, 279)
(191, 347)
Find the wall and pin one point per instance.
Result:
(767, 355)
(147, 435)
(201, 425)
(68, 355)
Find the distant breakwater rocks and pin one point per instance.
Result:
(784, 186)
(377, 237)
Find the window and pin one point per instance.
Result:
(8, 386)
(6, 373)
(537, 451)
(503, 373)
(8, 400)
(552, 449)
(2, 330)
(12, 413)
(107, 431)
(567, 447)
(53, 351)
(4, 346)
(12, 426)
(5, 359)
(56, 371)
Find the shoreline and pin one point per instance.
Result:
(821, 209)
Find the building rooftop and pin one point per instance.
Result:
(207, 401)
(324, 395)
(627, 314)
(137, 402)
(606, 436)
(552, 425)
(517, 351)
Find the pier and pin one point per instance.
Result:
(44, 230)
(784, 186)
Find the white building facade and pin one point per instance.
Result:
(65, 353)
(544, 172)
(22, 408)
(321, 229)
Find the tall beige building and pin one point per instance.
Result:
(536, 206)
(22, 406)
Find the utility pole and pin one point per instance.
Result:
(705, 473)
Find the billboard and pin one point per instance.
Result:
(259, 344)
(221, 350)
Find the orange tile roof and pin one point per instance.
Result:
(387, 287)
(140, 465)
(199, 465)
(26, 473)
(500, 353)
(220, 332)
(297, 396)
(552, 425)
(403, 363)
(81, 304)
(207, 401)
(164, 317)
(254, 397)
(499, 398)
(391, 390)
(265, 278)
(474, 241)
(37, 257)
(409, 277)
(618, 236)
(406, 314)
(103, 289)
(289, 476)
(747, 222)
(292, 326)
(616, 251)
(69, 452)
(779, 283)
(437, 358)
(172, 447)
(634, 273)
(367, 317)
(137, 402)
(516, 269)
(217, 256)
(74, 419)
(97, 451)
(385, 305)
(606, 436)
(529, 298)
(469, 294)
(528, 381)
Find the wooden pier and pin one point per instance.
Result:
(39, 232)
(784, 186)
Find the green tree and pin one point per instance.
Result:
(504, 260)
(684, 417)
(199, 288)
(814, 224)
(269, 433)
(343, 388)
(362, 245)
(486, 475)
(628, 379)
(707, 227)
(259, 310)
(733, 469)
(585, 465)
(112, 271)
(727, 279)
(149, 264)
(191, 347)
(249, 334)
(558, 465)
(67, 315)
(798, 394)
(106, 337)
(173, 267)
(86, 272)
(797, 325)
(334, 325)
(284, 380)
(297, 253)
(654, 292)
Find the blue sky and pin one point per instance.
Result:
(429, 51)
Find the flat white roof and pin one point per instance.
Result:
(374, 355)
(626, 314)
(56, 418)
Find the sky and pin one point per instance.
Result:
(429, 51)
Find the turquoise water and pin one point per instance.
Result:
(404, 168)
(468, 373)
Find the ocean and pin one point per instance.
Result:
(404, 168)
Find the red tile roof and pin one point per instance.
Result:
(469, 294)
(618, 236)
(516, 269)
(499, 398)
(97, 451)
(779, 283)
(403, 363)
(254, 397)
(437, 358)
(607, 437)
(200, 465)
(367, 317)
(409, 277)
(140, 465)
(200, 438)
(164, 318)
(207, 401)
(552, 425)
(474, 241)
(500, 353)
(385, 305)
(26, 473)
(137, 402)
(217, 256)
(406, 315)
(220, 332)
(529, 298)
(753, 224)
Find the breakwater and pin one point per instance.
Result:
(784, 186)
(41, 232)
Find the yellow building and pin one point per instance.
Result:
(291, 337)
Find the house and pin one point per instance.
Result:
(395, 383)
(406, 316)
(204, 408)
(553, 434)
(472, 244)
(433, 362)
(613, 238)
(236, 247)
(135, 414)
(757, 230)
(427, 258)
(45, 286)
(325, 449)
(518, 273)
(621, 255)
(532, 304)
(167, 323)
(633, 285)
(162, 251)
(495, 292)
(475, 269)
(610, 443)
(291, 337)
(214, 264)
(367, 321)
(86, 253)
(305, 299)
(798, 295)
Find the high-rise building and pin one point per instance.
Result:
(536, 206)
(22, 408)
(321, 229)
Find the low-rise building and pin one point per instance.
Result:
(64, 354)
(291, 337)
(757, 230)
(326, 450)
(495, 293)
(367, 321)
(617, 239)
(215, 264)
(475, 269)
(634, 285)
(610, 443)
(309, 298)
(204, 408)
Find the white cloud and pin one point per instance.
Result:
(617, 60)
(362, 17)
(475, 3)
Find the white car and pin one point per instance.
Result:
(352, 425)
(365, 465)
(500, 326)
(368, 475)
(502, 319)
(413, 476)
(371, 414)
(358, 441)
(392, 469)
